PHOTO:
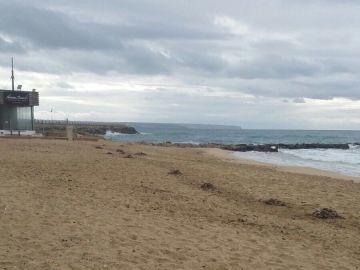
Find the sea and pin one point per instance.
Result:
(346, 162)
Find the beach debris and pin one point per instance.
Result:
(140, 154)
(98, 147)
(175, 172)
(326, 213)
(207, 186)
(109, 153)
(120, 151)
(128, 156)
(275, 202)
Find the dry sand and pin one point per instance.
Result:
(69, 205)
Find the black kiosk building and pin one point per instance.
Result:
(17, 109)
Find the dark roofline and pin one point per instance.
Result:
(4, 90)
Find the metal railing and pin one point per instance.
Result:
(76, 123)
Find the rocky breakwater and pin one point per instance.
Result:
(251, 147)
(276, 147)
(258, 147)
(342, 146)
(49, 129)
(102, 129)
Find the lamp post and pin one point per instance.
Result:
(12, 74)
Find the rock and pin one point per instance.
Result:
(140, 154)
(275, 202)
(102, 129)
(122, 129)
(109, 153)
(98, 147)
(343, 146)
(120, 151)
(128, 156)
(175, 172)
(251, 147)
(326, 213)
(207, 187)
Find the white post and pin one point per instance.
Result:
(70, 132)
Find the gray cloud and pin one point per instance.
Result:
(45, 29)
(275, 67)
(277, 50)
(10, 47)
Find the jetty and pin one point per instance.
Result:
(85, 128)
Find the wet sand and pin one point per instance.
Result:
(84, 205)
(229, 156)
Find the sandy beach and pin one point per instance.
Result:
(89, 205)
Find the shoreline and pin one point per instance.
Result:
(303, 168)
(229, 156)
(224, 154)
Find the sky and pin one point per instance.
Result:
(259, 64)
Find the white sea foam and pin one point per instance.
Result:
(189, 142)
(346, 162)
(351, 156)
(112, 134)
